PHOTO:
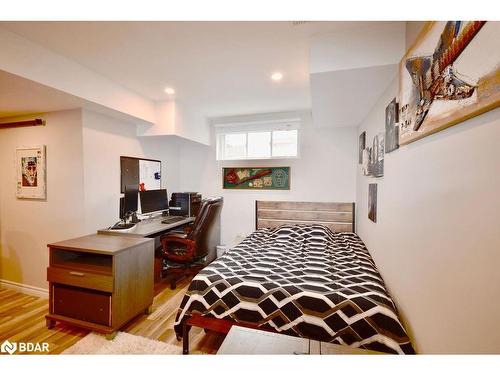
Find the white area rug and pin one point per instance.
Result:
(123, 343)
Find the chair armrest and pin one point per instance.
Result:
(174, 235)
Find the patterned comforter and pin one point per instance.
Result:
(302, 280)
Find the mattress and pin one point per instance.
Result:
(301, 280)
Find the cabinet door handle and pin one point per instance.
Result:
(74, 273)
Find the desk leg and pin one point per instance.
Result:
(49, 323)
(185, 337)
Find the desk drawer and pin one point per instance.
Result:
(81, 279)
(82, 304)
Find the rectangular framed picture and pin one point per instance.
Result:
(256, 178)
(449, 75)
(376, 165)
(30, 172)
(144, 173)
(391, 126)
(361, 147)
(372, 202)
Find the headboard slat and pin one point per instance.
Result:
(338, 216)
(342, 217)
(306, 206)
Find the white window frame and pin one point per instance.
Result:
(255, 127)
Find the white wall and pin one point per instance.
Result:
(368, 44)
(437, 235)
(344, 98)
(83, 185)
(105, 139)
(413, 28)
(26, 226)
(325, 171)
(61, 73)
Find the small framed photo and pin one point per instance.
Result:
(391, 126)
(30, 172)
(372, 202)
(361, 146)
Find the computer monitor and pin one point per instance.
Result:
(130, 201)
(154, 201)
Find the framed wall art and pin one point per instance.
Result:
(30, 172)
(449, 75)
(375, 164)
(366, 157)
(144, 173)
(373, 157)
(257, 178)
(377, 157)
(391, 126)
(372, 202)
(361, 147)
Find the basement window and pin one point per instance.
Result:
(262, 141)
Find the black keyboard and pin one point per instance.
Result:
(172, 219)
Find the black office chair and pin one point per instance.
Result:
(185, 253)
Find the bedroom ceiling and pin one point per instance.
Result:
(215, 68)
(232, 60)
(19, 96)
(22, 97)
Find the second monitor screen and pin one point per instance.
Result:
(154, 200)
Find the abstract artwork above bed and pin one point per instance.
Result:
(452, 73)
(301, 280)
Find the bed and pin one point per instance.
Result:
(303, 272)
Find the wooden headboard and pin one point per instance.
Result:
(337, 216)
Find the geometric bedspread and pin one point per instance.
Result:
(301, 280)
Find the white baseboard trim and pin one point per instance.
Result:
(23, 288)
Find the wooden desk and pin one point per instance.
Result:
(100, 282)
(241, 340)
(150, 228)
(147, 228)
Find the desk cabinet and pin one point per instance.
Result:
(100, 282)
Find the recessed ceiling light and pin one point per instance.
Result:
(277, 76)
(170, 91)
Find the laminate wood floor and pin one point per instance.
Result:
(22, 319)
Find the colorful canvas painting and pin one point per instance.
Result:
(450, 74)
(257, 178)
(30, 169)
(391, 126)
